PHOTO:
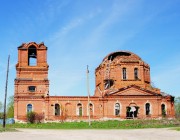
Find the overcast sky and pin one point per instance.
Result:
(82, 32)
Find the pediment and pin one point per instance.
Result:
(132, 91)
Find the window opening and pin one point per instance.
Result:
(136, 73)
(163, 110)
(57, 109)
(108, 83)
(117, 109)
(32, 88)
(79, 109)
(132, 112)
(147, 108)
(29, 108)
(91, 109)
(124, 74)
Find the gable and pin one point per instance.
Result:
(132, 91)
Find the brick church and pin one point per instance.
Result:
(123, 90)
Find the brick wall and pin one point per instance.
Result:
(127, 93)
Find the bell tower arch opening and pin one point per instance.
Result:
(32, 56)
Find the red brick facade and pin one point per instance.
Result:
(123, 89)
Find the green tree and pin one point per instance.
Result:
(177, 107)
(10, 107)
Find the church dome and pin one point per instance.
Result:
(122, 55)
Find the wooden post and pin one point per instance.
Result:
(4, 117)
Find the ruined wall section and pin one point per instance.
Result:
(111, 69)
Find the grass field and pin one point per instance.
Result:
(126, 124)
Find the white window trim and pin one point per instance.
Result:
(88, 110)
(119, 108)
(77, 109)
(126, 73)
(151, 111)
(27, 105)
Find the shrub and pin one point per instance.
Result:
(39, 117)
(31, 116)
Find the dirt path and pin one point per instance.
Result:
(136, 134)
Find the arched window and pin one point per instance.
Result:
(147, 106)
(117, 109)
(136, 73)
(79, 109)
(29, 108)
(91, 109)
(124, 73)
(32, 56)
(163, 110)
(57, 109)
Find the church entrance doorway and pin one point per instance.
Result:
(132, 111)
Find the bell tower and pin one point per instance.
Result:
(32, 71)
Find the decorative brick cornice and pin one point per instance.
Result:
(40, 46)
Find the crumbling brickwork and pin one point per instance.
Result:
(123, 89)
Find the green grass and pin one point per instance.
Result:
(126, 124)
(177, 128)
